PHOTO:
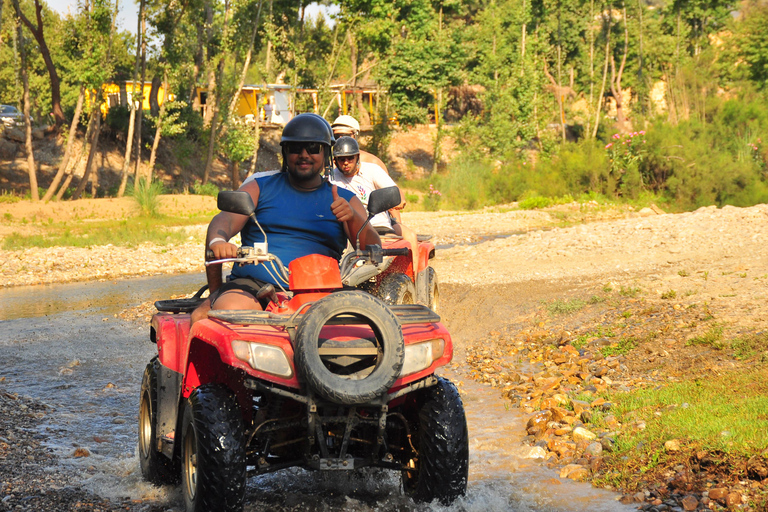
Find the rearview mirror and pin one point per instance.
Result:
(235, 201)
(383, 199)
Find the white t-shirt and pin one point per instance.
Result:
(370, 177)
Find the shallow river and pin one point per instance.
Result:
(61, 344)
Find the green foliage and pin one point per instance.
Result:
(719, 413)
(237, 144)
(126, 233)
(432, 199)
(623, 347)
(209, 189)
(712, 338)
(565, 307)
(147, 197)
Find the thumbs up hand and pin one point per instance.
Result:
(340, 206)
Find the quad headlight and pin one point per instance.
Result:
(265, 358)
(420, 356)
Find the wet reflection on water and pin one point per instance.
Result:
(60, 344)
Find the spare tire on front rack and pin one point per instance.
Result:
(349, 370)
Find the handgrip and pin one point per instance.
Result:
(404, 251)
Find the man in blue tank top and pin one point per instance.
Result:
(300, 212)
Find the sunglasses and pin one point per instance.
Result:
(313, 148)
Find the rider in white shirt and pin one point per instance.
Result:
(362, 178)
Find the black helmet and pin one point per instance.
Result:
(345, 146)
(307, 128)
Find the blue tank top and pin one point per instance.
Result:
(297, 223)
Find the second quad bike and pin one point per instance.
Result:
(325, 378)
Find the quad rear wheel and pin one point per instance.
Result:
(156, 468)
(439, 470)
(213, 465)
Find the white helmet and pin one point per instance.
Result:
(349, 122)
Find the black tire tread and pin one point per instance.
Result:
(156, 469)
(394, 287)
(443, 446)
(221, 463)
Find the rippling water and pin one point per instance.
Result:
(61, 344)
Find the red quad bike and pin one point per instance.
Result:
(326, 378)
(393, 280)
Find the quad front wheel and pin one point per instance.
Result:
(396, 289)
(439, 470)
(156, 468)
(213, 466)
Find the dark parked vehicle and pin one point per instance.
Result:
(11, 116)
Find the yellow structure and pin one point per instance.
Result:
(122, 94)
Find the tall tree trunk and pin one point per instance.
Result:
(218, 81)
(135, 105)
(128, 147)
(31, 169)
(37, 32)
(94, 143)
(194, 98)
(268, 58)
(591, 103)
(607, 24)
(616, 89)
(158, 129)
(560, 98)
(210, 100)
(70, 143)
(256, 142)
(235, 175)
(71, 172)
(140, 111)
(246, 64)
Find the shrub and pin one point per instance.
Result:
(209, 189)
(147, 196)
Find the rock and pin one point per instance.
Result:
(594, 449)
(718, 494)
(81, 452)
(535, 452)
(673, 445)
(8, 149)
(756, 468)
(607, 444)
(578, 406)
(559, 413)
(580, 433)
(689, 502)
(574, 472)
(38, 133)
(540, 418)
(15, 135)
(733, 499)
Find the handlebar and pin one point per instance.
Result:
(404, 251)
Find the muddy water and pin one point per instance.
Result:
(62, 345)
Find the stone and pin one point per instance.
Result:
(8, 149)
(733, 499)
(718, 494)
(580, 433)
(673, 445)
(756, 468)
(535, 452)
(539, 418)
(15, 135)
(559, 413)
(578, 406)
(594, 449)
(574, 472)
(689, 502)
